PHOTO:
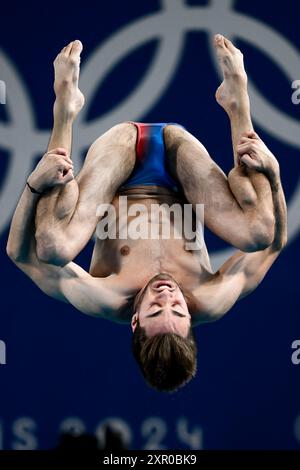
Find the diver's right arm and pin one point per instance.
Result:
(71, 283)
(54, 168)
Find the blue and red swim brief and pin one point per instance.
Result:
(151, 166)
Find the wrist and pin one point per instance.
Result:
(274, 179)
(272, 171)
(33, 185)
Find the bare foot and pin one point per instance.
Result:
(69, 99)
(232, 93)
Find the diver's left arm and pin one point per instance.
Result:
(243, 272)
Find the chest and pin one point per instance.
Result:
(143, 237)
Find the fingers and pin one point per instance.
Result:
(55, 168)
(61, 162)
(247, 147)
(64, 173)
(249, 162)
(59, 150)
(62, 152)
(247, 140)
(247, 155)
(64, 166)
(66, 178)
(250, 135)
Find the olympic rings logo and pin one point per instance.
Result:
(23, 140)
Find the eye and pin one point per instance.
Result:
(176, 303)
(154, 304)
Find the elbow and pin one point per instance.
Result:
(10, 252)
(50, 252)
(264, 232)
(284, 241)
(261, 241)
(280, 244)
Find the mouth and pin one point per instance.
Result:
(163, 284)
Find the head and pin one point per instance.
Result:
(163, 342)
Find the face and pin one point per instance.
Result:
(161, 308)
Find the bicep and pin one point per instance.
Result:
(78, 292)
(218, 296)
(238, 277)
(49, 278)
(227, 294)
(72, 284)
(92, 296)
(45, 277)
(256, 267)
(247, 270)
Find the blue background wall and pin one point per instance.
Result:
(61, 364)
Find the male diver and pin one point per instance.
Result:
(158, 286)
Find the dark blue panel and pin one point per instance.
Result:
(61, 364)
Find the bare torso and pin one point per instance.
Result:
(128, 264)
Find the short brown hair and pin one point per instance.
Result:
(168, 361)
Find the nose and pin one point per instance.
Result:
(165, 294)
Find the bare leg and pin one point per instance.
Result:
(69, 101)
(66, 216)
(239, 209)
(248, 186)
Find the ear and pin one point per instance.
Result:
(134, 321)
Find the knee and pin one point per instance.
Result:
(173, 135)
(111, 149)
(261, 235)
(50, 251)
(124, 134)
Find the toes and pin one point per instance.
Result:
(76, 48)
(229, 45)
(225, 43)
(221, 49)
(63, 52)
(219, 40)
(68, 49)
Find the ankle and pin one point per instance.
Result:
(63, 112)
(238, 107)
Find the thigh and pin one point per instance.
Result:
(108, 164)
(203, 182)
(67, 217)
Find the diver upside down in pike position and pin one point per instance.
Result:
(156, 285)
